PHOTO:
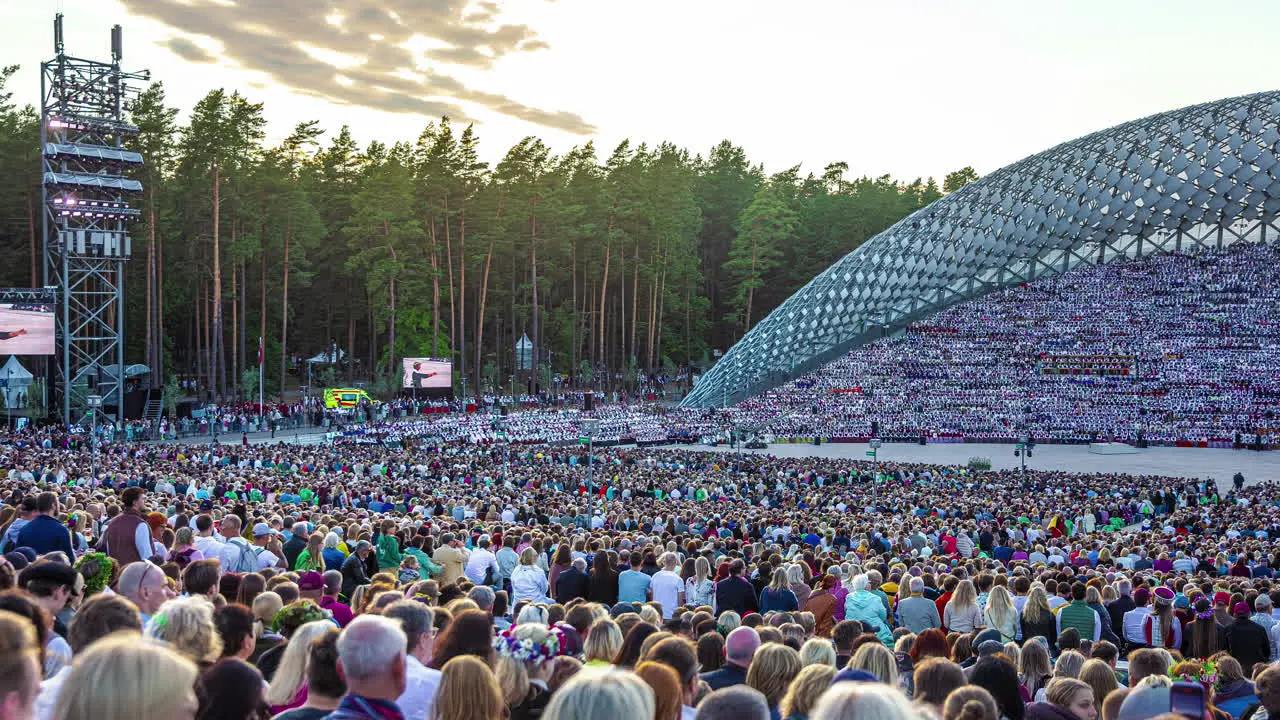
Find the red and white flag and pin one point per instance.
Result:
(260, 357)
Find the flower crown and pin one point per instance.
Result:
(1208, 675)
(526, 650)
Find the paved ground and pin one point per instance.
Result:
(1177, 462)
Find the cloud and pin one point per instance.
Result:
(188, 51)
(271, 36)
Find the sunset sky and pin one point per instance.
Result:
(908, 87)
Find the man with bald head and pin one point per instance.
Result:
(739, 648)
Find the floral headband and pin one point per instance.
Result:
(1208, 675)
(528, 651)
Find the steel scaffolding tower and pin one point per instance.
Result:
(85, 196)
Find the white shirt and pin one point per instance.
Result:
(480, 561)
(267, 559)
(666, 587)
(420, 685)
(47, 698)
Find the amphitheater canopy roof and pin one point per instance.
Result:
(1199, 177)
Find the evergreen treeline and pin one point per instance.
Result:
(642, 259)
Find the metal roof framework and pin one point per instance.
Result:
(1189, 180)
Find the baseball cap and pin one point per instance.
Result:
(1145, 702)
(263, 529)
(1241, 609)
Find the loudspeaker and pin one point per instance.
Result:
(588, 401)
(504, 410)
(875, 428)
(924, 440)
(817, 441)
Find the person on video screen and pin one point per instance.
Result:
(419, 378)
(11, 334)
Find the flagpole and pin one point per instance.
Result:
(260, 381)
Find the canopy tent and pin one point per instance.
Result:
(15, 380)
(329, 357)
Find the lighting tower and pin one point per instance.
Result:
(85, 196)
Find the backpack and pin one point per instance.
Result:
(246, 558)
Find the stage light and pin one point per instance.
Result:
(57, 201)
(71, 201)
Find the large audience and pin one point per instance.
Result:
(509, 559)
(476, 579)
(1165, 349)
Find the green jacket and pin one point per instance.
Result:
(388, 552)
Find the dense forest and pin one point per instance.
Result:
(616, 264)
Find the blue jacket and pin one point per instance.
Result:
(866, 607)
(45, 535)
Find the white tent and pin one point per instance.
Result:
(329, 357)
(16, 381)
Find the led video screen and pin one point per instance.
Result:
(26, 327)
(428, 374)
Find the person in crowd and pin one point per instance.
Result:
(231, 689)
(468, 690)
(970, 703)
(325, 685)
(288, 668)
(739, 648)
(618, 695)
(1066, 698)
(371, 659)
(119, 678)
(772, 669)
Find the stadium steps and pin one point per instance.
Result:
(155, 405)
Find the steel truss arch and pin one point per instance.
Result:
(1188, 180)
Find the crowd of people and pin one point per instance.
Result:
(471, 578)
(1166, 349)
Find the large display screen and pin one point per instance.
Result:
(26, 327)
(428, 374)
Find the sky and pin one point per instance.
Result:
(911, 88)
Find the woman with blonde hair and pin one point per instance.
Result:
(289, 682)
(1072, 697)
(771, 671)
(817, 651)
(728, 622)
(667, 693)
(962, 613)
(522, 665)
(467, 690)
(877, 660)
(970, 703)
(119, 678)
(699, 590)
(602, 644)
(863, 701)
(528, 581)
(186, 624)
(1037, 619)
(312, 557)
(1099, 676)
(803, 693)
(611, 695)
(1001, 614)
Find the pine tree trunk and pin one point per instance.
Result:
(235, 323)
(284, 308)
(448, 252)
(159, 336)
(662, 304)
(484, 296)
(435, 292)
(244, 315)
(635, 299)
(533, 267)
(219, 370)
(391, 291)
(462, 296)
(604, 289)
(151, 290)
(351, 333)
(262, 328)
